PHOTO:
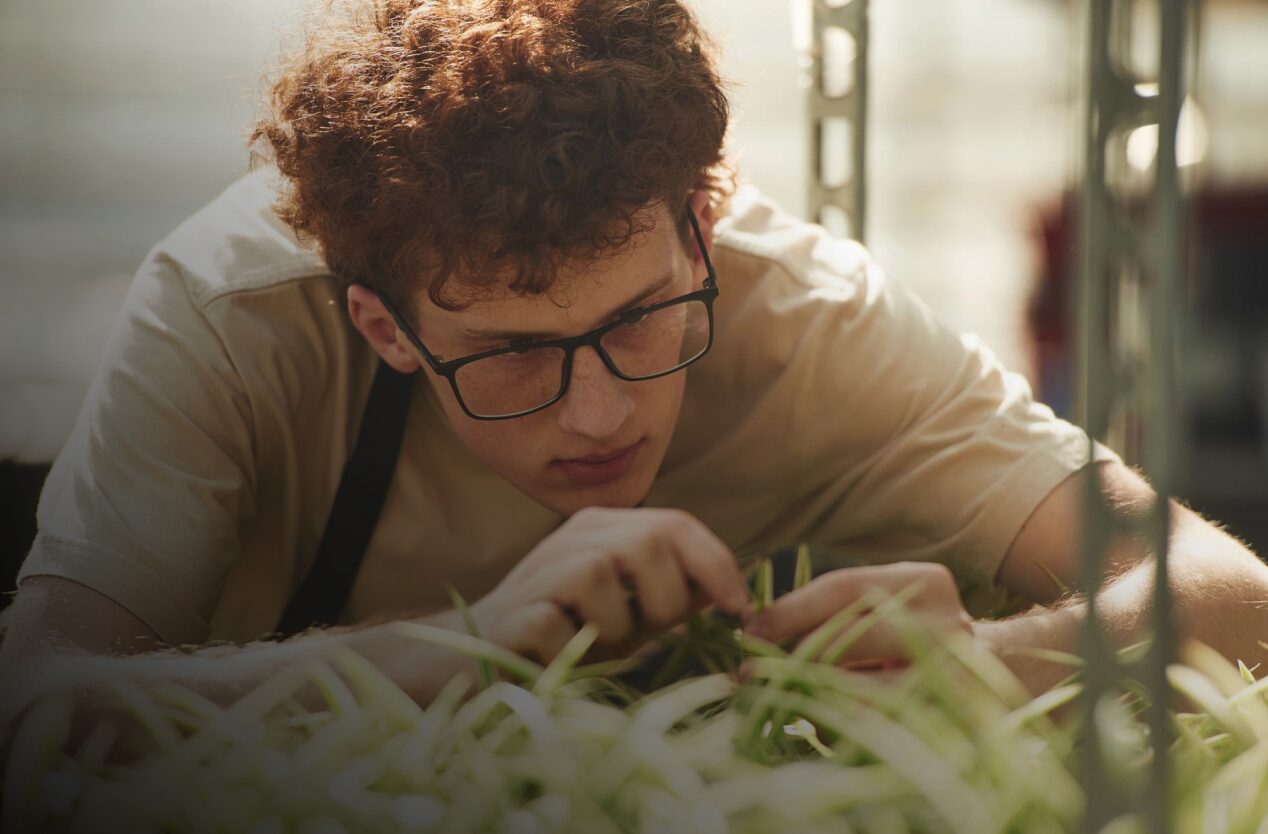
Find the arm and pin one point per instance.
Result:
(1219, 588)
(629, 572)
(66, 637)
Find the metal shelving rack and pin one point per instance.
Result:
(834, 66)
(1132, 252)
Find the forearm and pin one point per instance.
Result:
(1218, 590)
(223, 674)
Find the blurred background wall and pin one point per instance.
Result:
(119, 118)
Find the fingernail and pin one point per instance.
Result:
(738, 599)
(756, 629)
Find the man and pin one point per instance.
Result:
(622, 376)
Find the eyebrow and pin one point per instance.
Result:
(512, 335)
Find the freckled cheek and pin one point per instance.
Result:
(524, 444)
(654, 417)
(662, 403)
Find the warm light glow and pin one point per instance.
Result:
(1192, 137)
(1142, 147)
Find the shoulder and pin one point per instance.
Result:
(237, 244)
(809, 328)
(758, 241)
(787, 287)
(232, 289)
(234, 279)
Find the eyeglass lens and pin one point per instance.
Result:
(658, 342)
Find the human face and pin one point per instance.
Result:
(603, 442)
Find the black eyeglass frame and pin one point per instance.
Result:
(449, 369)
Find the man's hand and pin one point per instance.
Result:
(930, 595)
(631, 573)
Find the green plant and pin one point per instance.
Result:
(955, 745)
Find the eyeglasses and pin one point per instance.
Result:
(526, 376)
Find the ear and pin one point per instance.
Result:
(702, 207)
(379, 329)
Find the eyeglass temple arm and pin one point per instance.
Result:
(432, 358)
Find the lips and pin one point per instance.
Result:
(601, 467)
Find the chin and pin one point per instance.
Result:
(569, 504)
(624, 493)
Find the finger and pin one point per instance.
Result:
(808, 607)
(805, 608)
(708, 562)
(698, 598)
(884, 674)
(659, 584)
(885, 643)
(595, 592)
(873, 665)
(879, 645)
(547, 628)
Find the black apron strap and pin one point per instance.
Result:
(358, 501)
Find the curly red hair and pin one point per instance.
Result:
(491, 141)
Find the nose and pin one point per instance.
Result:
(597, 403)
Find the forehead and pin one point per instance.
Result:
(582, 289)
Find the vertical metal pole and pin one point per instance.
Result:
(1166, 245)
(837, 81)
(1127, 364)
(1104, 91)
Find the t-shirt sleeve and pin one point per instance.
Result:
(145, 500)
(942, 453)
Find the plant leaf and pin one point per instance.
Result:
(803, 572)
(487, 676)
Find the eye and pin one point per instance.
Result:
(521, 345)
(634, 315)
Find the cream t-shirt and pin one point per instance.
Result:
(833, 408)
